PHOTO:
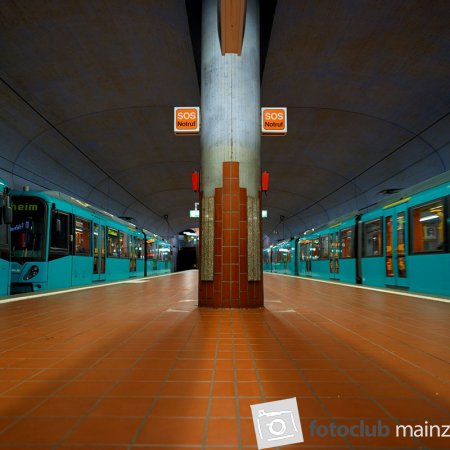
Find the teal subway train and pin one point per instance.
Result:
(401, 243)
(5, 254)
(58, 242)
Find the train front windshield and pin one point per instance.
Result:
(28, 229)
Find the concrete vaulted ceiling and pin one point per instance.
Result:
(88, 87)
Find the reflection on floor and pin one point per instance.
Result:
(139, 366)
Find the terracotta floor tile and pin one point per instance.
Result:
(223, 389)
(34, 388)
(223, 407)
(328, 389)
(74, 363)
(244, 364)
(122, 407)
(375, 375)
(274, 364)
(7, 385)
(17, 374)
(243, 354)
(64, 407)
(206, 364)
(248, 435)
(249, 389)
(286, 389)
(246, 375)
(146, 375)
(186, 389)
(18, 406)
(85, 388)
(224, 375)
(311, 407)
(413, 408)
(5, 422)
(56, 375)
(98, 430)
(37, 431)
(180, 407)
(318, 363)
(27, 447)
(90, 447)
(172, 432)
(155, 364)
(136, 389)
(279, 375)
(33, 363)
(102, 375)
(388, 390)
(353, 407)
(228, 364)
(191, 375)
(222, 432)
(325, 375)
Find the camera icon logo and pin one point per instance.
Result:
(277, 423)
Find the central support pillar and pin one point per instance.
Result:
(230, 194)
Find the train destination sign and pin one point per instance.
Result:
(186, 120)
(274, 121)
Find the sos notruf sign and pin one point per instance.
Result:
(186, 120)
(274, 121)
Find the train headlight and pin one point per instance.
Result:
(32, 272)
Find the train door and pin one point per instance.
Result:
(305, 259)
(334, 255)
(99, 246)
(132, 247)
(396, 270)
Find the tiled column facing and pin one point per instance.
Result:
(230, 286)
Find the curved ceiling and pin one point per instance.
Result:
(87, 90)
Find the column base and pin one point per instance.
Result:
(230, 284)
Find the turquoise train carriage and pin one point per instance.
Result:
(58, 241)
(5, 254)
(401, 243)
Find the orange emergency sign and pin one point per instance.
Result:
(186, 120)
(274, 121)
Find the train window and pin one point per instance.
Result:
(113, 243)
(82, 237)
(324, 250)
(123, 241)
(314, 248)
(28, 229)
(139, 248)
(427, 228)
(59, 231)
(151, 253)
(347, 243)
(373, 238)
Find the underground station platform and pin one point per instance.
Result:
(137, 365)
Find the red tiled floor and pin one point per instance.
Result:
(223, 407)
(37, 431)
(180, 407)
(173, 380)
(122, 407)
(109, 430)
(64, 407)
(166, 431)
(222, 432)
